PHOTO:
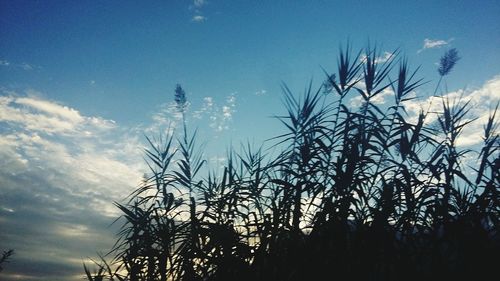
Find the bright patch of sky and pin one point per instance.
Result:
(82, 82)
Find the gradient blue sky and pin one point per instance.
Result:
(81, 81)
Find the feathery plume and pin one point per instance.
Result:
(180, 98)
(448, 61)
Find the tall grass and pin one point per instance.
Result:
(366, 193)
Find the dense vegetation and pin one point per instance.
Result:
(365, 193)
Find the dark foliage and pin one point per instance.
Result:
(355, 194)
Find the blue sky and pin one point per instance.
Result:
(82, 81)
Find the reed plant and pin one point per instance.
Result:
(5, 258)
(355, 193)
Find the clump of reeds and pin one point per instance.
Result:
(362, 193)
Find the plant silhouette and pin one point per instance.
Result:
(5, 258)
(355, 194)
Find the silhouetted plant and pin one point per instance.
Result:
(6, 255)
(446, 64)
(365, 193)
(448, 61)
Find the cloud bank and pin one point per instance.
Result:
(60, 171)
(482, 102)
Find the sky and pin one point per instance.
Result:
(82, 82)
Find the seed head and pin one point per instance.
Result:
(180, 97)
(448, 61)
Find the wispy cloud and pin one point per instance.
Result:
(217, 162)
(385, 57)
(380, 98)
(27, 66)
(381, 59)
(226, 114)
(218, 114)
(196, 6)
(206, 107)
(199, 3)
(199, 18)
(260, 92)
(23, 65)
(165, 118)
(434, 43)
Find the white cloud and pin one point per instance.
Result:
(231, 99)
(43, 131)
(51, 108)
(226, 112)
(380, 98)
(385, 57)
(481, 103)
(209, 101)
(219, 118)
(216, 114)
(165, 119)
(207, 106)
(199, 3)
(260, 92)
(60, 172)
(197, 6)
(217, 162)
(431, 44)
(48, 117)
(199, 18)
(24, 65)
